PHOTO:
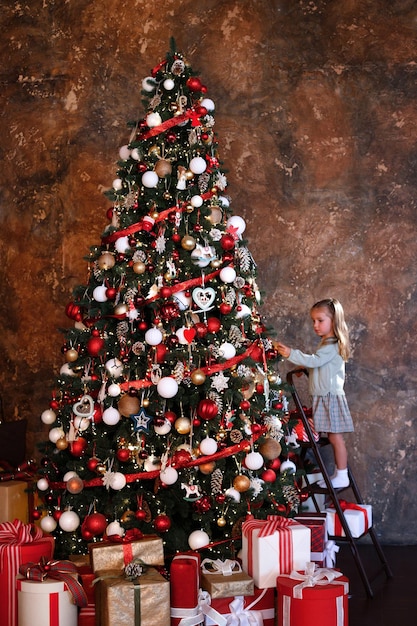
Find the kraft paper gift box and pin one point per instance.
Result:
(46, 603)
(312, 596)
(357, 516)
(223, 579)
(14, 501)
(121, 602)
(273, 546)
(257, 610)
(184, 586)
(109, 555)
(19, 543)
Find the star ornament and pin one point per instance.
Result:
(141, 421)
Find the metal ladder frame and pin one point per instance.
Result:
(332, 493)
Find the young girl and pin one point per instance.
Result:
(326, 380)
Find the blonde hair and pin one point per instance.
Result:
(340, 328)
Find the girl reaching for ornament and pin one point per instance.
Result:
(326, 380)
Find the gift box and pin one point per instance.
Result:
(19, 543)
(46, 603)
(87, 615)
(273, 546)
(257, 609)
(14, 501)
(322, 593)
(121, 602)
(223, 579)
(357, 516)
(115, 555)
(185, 585)
(317, 522)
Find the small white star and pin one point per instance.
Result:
(141, 421)
(220, 382)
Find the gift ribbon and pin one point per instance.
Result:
(313, 577)
(349, 506)
(226, 568)
(57, 570)
(330, 551)
(267, 528)
(241, 616)
(18, 533)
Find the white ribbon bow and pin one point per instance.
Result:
(330, 551)
(239, 616)
(226, 568)
(313, 577)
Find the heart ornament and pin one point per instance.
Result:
(189, 334)
(85, 407)
(204, 297)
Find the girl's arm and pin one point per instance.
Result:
(323, 355)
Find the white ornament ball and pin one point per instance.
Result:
(169, 475)
(69, 521)
(233, 493)
(153, 119)
(180, 335)
(99, 293)
(124, 153)
(81, 423)
(111, 416)
(287, 466)
(254, 460)
(164, 429)
(208, 446)
(208, 104)
(48, 416)
(55, 434)
(114, 390)
(115, 528)
(114, 367)
(227, 274)
(167, 387)
(198, 539)
(150, 179)
(224, 202)
(117, 481)
(152, 463)
(153, 336)
(196, 201)
(66, 370)
(182, 300)
(117, 184)
(198, 165)
(227, 350)
(69, 475)
(135, 154)
(148, 84)
(122, 244)
(237, 223)
(42, 484)
(243, 311)
(169, 84)
(48, 524)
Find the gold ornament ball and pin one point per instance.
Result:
(139, 267)
(163, 168)
(272, 377)
(270, 449)
(198, 377)
(155, 150)
(106, 261)
(241, 483)
(189, 175)
(216, 215)
(182, 425)
(71, 355)
(154, 215)
(207, 468)
(189, 208)
(121, 309)
(221, 522)
(101, 468)
(188, 242)
(216, 263)
(145, 402)
(128, 405)
(62, 443)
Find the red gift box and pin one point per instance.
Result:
(259, 608)
(317, 523)
(321, 592)
(19, 543)
(87, 616)
(185, 585)
(87, 576)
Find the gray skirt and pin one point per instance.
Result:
(331, 414)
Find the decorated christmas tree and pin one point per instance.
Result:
(168, 415)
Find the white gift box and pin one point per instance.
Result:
(272, 547)
(358, 518)
(46, 603)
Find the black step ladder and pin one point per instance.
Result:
(333, 494)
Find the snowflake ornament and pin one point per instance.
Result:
(220, 382)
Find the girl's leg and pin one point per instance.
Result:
(341, 478)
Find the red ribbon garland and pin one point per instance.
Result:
(57, 570)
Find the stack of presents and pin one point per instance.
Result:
(285, 572)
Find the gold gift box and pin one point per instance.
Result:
(116, 604)
(220, 586)
(14, 502)
(105, 555)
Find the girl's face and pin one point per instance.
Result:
(322, 323)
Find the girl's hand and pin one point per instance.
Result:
(282, 349)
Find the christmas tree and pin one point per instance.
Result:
(168, 415)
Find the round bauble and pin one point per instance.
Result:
(207, 409)
(114, 528)
(242, 311)
(106, 261)
(163, 168)
(111, 416)
(198, 165)
(75, 485)
(99, 293)
(48, 524)
(233, 494)
(198, 539)
(270, 449)
(123, 455)
(169, 475)
(188, 242)
(117, 184)
(182, 425)
(69, 521)
(153, 119)
(148, 84)
(254, 461)
(227, 350)
(164, 428)
(48, 416)
(62, 443)
(80, 423)
(162, 523)
(227, 274)
(221, 522)
(113, 390)
(139, 267)
(71, 355)
(288, 466)
(227, 242)
(183, 300)
(208, 446)
(55, 434)
(95, 345)
(117, 481)
(213, 324)
(122, 244)
(92, 463)
(95, 523)
(153, 336)
(269, 476)
(237, 224)
(128, 405)
(42, 484)
(78, 446)
(208, 104)
(167, 387)
(241, 483)
(207, 468)
(152, 463)
(168, 84)
(198, 377)
(194, 83)
(150, 179)
(114, 368)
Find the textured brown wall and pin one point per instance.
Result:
(316, 115)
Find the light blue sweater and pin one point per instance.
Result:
(326, 369)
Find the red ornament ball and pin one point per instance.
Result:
(165, 292)
(227, 242)
(96, 523)
(36, 514)
(201, 329)
(207, 409)
(123, 455)
(269, 476)
(78, 447)
(170, 416)
(162, 523)
(92, 463)
(244, 405)
(57, 514)
(213, 324)
(225, 308)
(95, 345)
(141, 515)
(194, 83)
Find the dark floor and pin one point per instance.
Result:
(395, 599)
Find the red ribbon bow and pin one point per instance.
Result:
(18, 533)
(344, 505)
(57, 570)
